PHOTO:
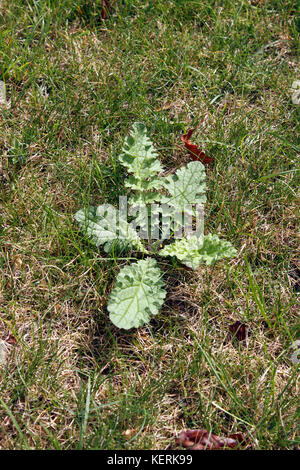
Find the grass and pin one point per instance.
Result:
(75, 84)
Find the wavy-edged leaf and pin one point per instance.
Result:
(104, 226)
(137, 295)
(140, 158)
(187, 186)
(194, 251)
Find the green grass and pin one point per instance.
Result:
(75, 84)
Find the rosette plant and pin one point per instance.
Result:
(139, 290)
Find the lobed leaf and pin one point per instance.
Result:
(140, 158)
(186, 186)
(104, 226)
(193, 251)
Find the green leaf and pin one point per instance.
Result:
(193, 251)
(137, 295)
(187, 186)
(104, 226)
(140, 159)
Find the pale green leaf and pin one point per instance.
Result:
(186, 186)
(137, 295)
(193, 251)
(140, 159)
(104, 226)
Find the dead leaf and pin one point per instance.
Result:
(11, 340)
(238, 330)
(201, 439)
(195, 152)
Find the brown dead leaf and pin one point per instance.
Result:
(238, 330)
(195, 152)
(201, 439)
(11, 340)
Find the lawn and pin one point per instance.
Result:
(75, 84)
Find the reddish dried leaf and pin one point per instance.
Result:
(238, 330)
(195, 152)
(11, 339)
(201, 439)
